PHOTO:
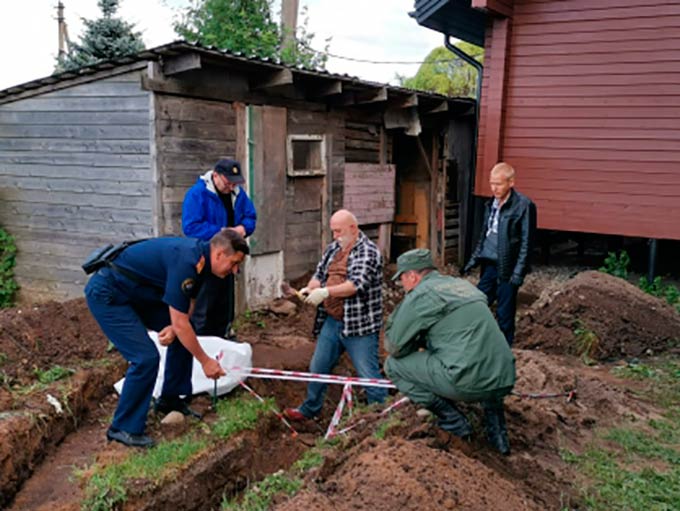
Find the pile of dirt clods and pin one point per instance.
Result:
(599, 315)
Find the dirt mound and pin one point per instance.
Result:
(600, 316)
(398, 474)
(46, 335)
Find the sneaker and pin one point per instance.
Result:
(294, 414)
(165, 405)
(128, 439)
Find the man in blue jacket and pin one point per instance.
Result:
(216, 201)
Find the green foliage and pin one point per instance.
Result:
(247, 27)
(106, 489)
(238, 414)
(8, 252)
(586, 342)
(106, 38)
(53, 374)
(617, 265)
(662, 378)
(445, 73)
(656, 288)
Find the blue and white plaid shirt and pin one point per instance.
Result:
(362, 312)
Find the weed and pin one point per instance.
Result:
(616, 265)
(261, 324)
(586, 342)
(310, 459)
(3, 358)
(385, 426)
(52, 374)
(238, 414)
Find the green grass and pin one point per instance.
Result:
(636, 466)
(385, 426)
(107, 488)
(238, 414)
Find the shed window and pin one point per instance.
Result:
(306, 155)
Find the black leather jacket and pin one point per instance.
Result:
(516, 231)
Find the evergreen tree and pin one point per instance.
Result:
(247, 27)
(106, 38)
(445, 73)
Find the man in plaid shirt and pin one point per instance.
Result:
(347, 288)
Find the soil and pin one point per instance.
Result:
(626, 322)
(415, 465)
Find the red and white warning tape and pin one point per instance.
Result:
(280, 374)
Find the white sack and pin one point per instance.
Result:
(234, 354)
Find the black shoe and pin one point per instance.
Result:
(496, 431)
(165, 405)
(450, 418)
(113, 435)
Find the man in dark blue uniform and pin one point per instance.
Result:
(217, 200)
(152, 285)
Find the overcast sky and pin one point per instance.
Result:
(378, 30)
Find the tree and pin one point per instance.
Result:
(106, 38)
(446, 73)
(247, 27)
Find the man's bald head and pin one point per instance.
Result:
(345, 227)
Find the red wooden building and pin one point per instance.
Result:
(582, 97)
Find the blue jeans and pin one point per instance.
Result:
(330, 345)
(505, 293)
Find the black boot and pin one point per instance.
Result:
(165, 405)
(450, 418)
(496, 432)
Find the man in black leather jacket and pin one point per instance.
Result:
(504, 248)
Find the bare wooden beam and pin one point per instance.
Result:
(331, 88)
(441, 107)
(275, 79)
(404, 101)
(181, 64)
(371, 96)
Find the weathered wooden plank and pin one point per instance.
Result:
(55, 145)
(85, 185)
(195, 129)
(197, 110)
(98, 160)
(72, 119)
(116, 230)
(195, 145)
(94, 132)
(307, 194)
(66, 212)
(369, 192)
(111, 174)
(104, 88)
(80, 104)
(104, 200)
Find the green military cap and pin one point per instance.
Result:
(416, 259)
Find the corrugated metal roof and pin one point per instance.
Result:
(179, 47)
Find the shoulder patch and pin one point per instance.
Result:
(188, 286)
(200, 265)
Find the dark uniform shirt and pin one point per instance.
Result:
(168, 270)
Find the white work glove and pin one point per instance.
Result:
(317, 296)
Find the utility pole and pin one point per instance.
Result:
(289, 13)
(63, 32)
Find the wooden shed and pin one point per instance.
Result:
(108, 152)
(582, 97)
